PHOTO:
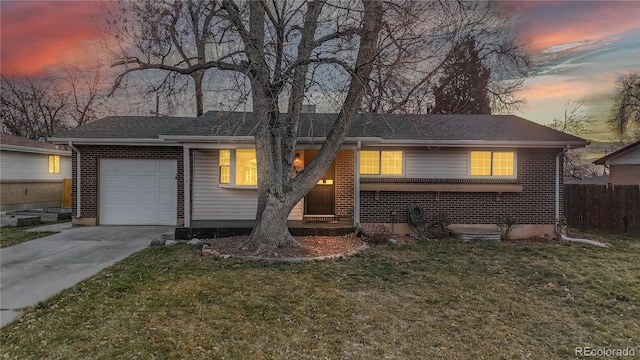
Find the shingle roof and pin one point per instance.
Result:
(386, 126)
(127, 127)
(7, 139)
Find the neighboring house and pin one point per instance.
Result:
(623, 165)
(31, 173)
(186, 171)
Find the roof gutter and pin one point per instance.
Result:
(34, 150)
(485, 143)
(78, 180)
(114, 141)
(251, 139)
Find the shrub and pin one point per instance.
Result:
(506, 224)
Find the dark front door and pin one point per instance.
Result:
(320, 200)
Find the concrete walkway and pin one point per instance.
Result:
(35, 270)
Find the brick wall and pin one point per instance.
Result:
(345, 162)
(35, 192)
(91, 155)
(534, 205)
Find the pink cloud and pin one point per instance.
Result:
(551, 23)
(38, 34)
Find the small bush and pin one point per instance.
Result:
(506, 224)
(377, 233)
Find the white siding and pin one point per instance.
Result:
(211, 202)
(631, 157)
(436, 164)
(31, 166)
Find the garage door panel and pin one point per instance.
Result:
(166, 183)
(149, 183)
(130, 200)
(111, 200)
(148, 216)
(138, 192)
(165, 199)
(110, 182)
(149, 200)
(166, 217)
(130, 183)
(166, 169)
(129, 167)
(148, 168)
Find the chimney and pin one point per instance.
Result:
(308, 109)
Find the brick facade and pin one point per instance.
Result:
(534, 205)
(91, 156)
(23, 194)
(345, 162)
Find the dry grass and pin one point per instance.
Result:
(11, 235)
(441, 299)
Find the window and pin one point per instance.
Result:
(246, 167)
(380, 162)
(54, 164)
(238, 168)
(225, 167)
(492, 163)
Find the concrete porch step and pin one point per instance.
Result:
(19, 220)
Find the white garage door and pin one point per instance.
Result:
(138, 192)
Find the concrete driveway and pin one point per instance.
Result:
(38, 269)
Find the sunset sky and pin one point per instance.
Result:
(581, 47)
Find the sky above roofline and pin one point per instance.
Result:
(579, 47)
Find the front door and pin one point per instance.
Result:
(320, 200)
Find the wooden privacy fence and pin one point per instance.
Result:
(611, 208)
(66, 193)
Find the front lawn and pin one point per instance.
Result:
(441, 299)
(12, 235)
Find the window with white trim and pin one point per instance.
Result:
(492, 163)
(238, 167)
(381, 162)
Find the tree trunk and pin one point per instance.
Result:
(278, 193)
(271, 229)
(197, 78)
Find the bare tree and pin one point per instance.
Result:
(37, 107)
(625, 112)
(174, 38)
(32, 107)
(279, 48)
(85, 87)
(417, 40)
(576, 122)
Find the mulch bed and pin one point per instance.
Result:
(310, 247)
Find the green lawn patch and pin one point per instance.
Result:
(441, 299)
(12, 235)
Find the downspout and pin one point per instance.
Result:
(559, 229)
(78, 179)
(186, 185)
(356, 188)
(557, 204)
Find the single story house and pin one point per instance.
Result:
(31, 173)
(623, 165)
(186, 171)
